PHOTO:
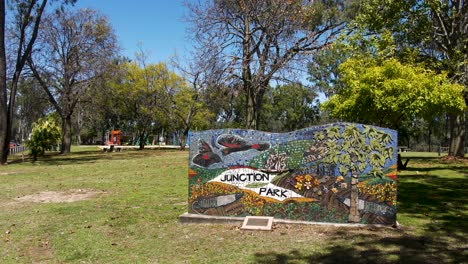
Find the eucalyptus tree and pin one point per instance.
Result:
(75, 49)
(263, 40)
(18, 33)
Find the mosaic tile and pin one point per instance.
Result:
(340, 172)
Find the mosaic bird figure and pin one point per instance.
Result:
(233, 143)
(205, 156)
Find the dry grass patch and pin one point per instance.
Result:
(61, 197)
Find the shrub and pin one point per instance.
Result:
(45, 134)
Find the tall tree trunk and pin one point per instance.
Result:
(251, 119)
(79, 123)
(24, 51)
(142, 138)
(249, 88)
(429, 140)
(4, 139)
(10, 108)
(66, 135)
(104, 136)
(183, 138)
(457, 135)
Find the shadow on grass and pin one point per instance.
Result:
(405, 248)
(83, 157)
(437, 204)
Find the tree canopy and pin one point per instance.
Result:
(384, 92)
(258, 41)
(142, 94)
(75, 48)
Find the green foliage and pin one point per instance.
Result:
(188, 111)
(289, 107)
(384, 92)
(142, 94)
(431, 30)
(45, 134)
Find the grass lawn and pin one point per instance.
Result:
(133, 218)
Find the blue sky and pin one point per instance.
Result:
(156, 24)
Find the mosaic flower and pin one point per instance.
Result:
(298, 186)
(316, 182)
(300, 178)
(308, 185)
(339, 178)
(384, 192)
(308, 178)
(334, 190)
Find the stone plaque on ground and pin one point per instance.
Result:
(257, 223)
(336, 173)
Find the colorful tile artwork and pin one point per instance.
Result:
(337, 173)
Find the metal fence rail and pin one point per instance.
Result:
(17, 149)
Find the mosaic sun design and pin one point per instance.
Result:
(338, 173)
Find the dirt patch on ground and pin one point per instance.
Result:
(60, 197)
(6, 173)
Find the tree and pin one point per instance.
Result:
(291, 107)
(32, 104)
(384, 92)
(260, 41)
(25, 21)
(75, 49)
(44, 135)
(4, 120)
(188, 111)
(142, 94)
(436, 32)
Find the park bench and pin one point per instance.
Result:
(112, 148)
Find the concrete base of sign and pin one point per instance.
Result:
(187, 218)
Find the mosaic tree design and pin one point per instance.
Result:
(334, 173)
(353, 151)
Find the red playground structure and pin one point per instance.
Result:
(114, 138)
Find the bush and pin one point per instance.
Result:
(45, 134)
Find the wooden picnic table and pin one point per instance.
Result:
(403, 149)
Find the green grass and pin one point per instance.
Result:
(135, 219)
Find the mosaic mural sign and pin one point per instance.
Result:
(340, 172)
